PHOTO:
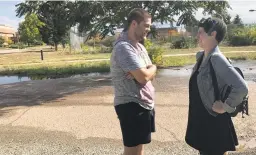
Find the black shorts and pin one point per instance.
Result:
(136, 123)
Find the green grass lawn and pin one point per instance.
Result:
(54, 63)
(52, 69)
(195, 50)
(191, 59)
(64, 62)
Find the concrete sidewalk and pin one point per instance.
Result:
(76, 116)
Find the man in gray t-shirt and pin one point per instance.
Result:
(132, 72)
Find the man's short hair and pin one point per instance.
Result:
(214, 24)
(138, 15)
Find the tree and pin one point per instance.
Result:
(237, 21)
(225, 17)
(227, 20)
(29, 29)
(1, 41)
(55, 15)
(153, 32)
(9, 41)
(103, 17)
(106, 16)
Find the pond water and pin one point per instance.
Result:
(248, 68)
(12, 79)
(15, 79)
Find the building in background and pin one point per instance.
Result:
(8, 33)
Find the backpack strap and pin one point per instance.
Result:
(214, 82)
(243, 107)
(200, 60)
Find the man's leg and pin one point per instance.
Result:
(206, 153)
(136, 150)
(136, 126)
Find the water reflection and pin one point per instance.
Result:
(15, 79)
(12, 79)
(248, 68)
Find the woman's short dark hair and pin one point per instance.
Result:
(214, 24)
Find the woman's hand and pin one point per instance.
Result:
(218, 107)
(129, 76)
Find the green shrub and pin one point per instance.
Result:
(108, 41)
(180, 42)
(18, 45)
(242, 36)
(253, 35)
(1, 41)
(38, 42)
(104, 49)
(94, 50)
(240, 41)
(93, 42)
(156, 55)
(90, 49)
(15, 46)
(147, 44)
(239, 37)
(21, 45)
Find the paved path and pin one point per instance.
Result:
(76, 116)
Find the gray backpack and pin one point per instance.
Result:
(242, 107)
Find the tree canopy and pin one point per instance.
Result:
(103, 17)
(29, 29)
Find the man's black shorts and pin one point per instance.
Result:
(136, 123)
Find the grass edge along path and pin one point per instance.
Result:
(81, 67)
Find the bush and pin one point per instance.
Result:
(108, 41)
(90, 49)
(239, 37)
(183, 42)
(242, 36)
(253, 35)
(156, 55)
(18, 45)
(94, 50)
(37, 42)
(9, 41)
(15, 46)
(1, 41)
(240, 41)
(147, 44)
(93, 42)
(21, 45)
(90, 43)
(104, 49)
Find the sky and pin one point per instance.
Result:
(8, 14)
(240, 7)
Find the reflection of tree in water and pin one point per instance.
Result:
(44, 77)
(33, 77)
(54, 76)
(19, 78)
(38, 77)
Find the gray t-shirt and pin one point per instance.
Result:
(125, 57)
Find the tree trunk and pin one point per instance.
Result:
(56, 47)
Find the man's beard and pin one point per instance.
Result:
(139, 37)
(142, 41)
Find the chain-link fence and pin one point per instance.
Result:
(76, 39)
